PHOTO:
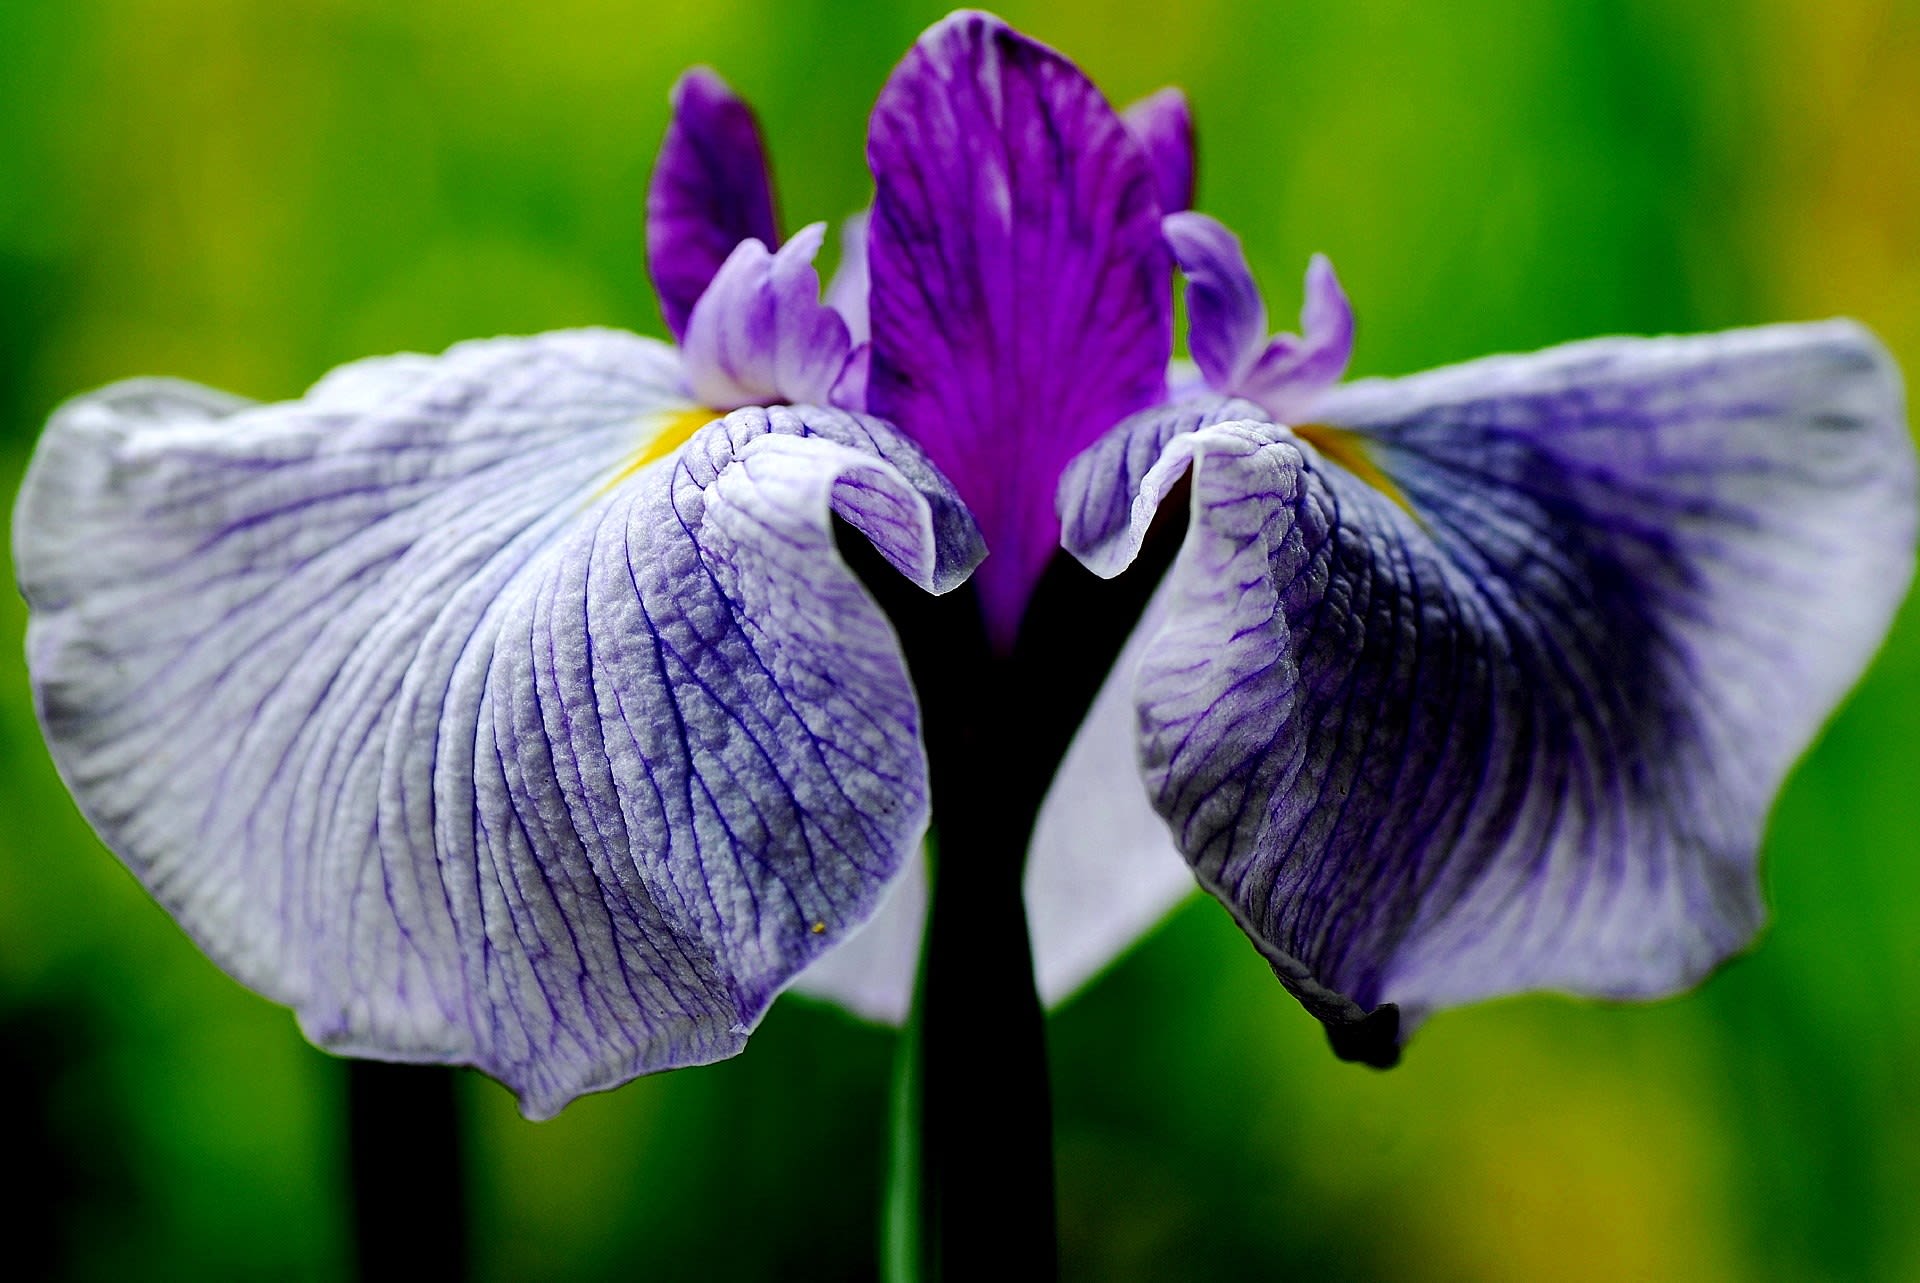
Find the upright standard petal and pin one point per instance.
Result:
(760, 334)
(711, 189)
(426, 712)
(1517, 725)
(1020, 287)
(1162, 124)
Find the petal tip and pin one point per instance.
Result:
(1372, 1040)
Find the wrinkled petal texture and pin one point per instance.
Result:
(711, 189)
(425, 717)
(760, 334)
(1162, 124)
(1020, 288)
(1528, 737)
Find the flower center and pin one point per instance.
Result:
(1349, 451)
(671, 430)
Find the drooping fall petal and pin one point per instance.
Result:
(448, 707)
(1512, 717)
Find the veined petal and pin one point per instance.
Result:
(428, 716)
(1162, 124)
(1526, 734)
(710, 190)
(1020, 287)
(760, 334)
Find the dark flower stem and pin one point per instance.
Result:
(409, 1185)
(971, 1185)
(973, 1135)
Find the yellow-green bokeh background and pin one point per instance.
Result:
(247, 192)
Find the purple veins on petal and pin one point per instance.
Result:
(417, 724)
(1228, 323)
(1162, 124)
(1019, 283)
(760, 334)
(1529, 739)
(711, 189)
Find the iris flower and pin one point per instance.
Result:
(520, 707)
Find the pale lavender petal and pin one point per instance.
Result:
(428, 714)
(1162, 124)
(873, 972)
(1292, 373)
(1228, 323)
(1020, 287)
(850, 389)
(711, 189)
(1526, 734)
(1111, 493)
(1226, 317)
(847, 291)
(760, 334)
(1102, 870)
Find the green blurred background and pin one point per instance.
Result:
(247, 192)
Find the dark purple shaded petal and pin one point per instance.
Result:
(760, 334)
(1020, 287)
(847, 291)
(1527, 738)
(711, 189)
(426, 716)
(1228, 323)
(1162, 124)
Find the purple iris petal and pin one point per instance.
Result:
(1229, 339)
(711, 189)
(760, 334)
(1226, 316)
(1020, 298)
(428, 715)
(1163, 126)
(1525, 734)
(847, 291)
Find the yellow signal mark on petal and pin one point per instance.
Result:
(1350, 451)
(671, 430)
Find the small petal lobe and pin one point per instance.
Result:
(1283, 375)
(760, 334)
